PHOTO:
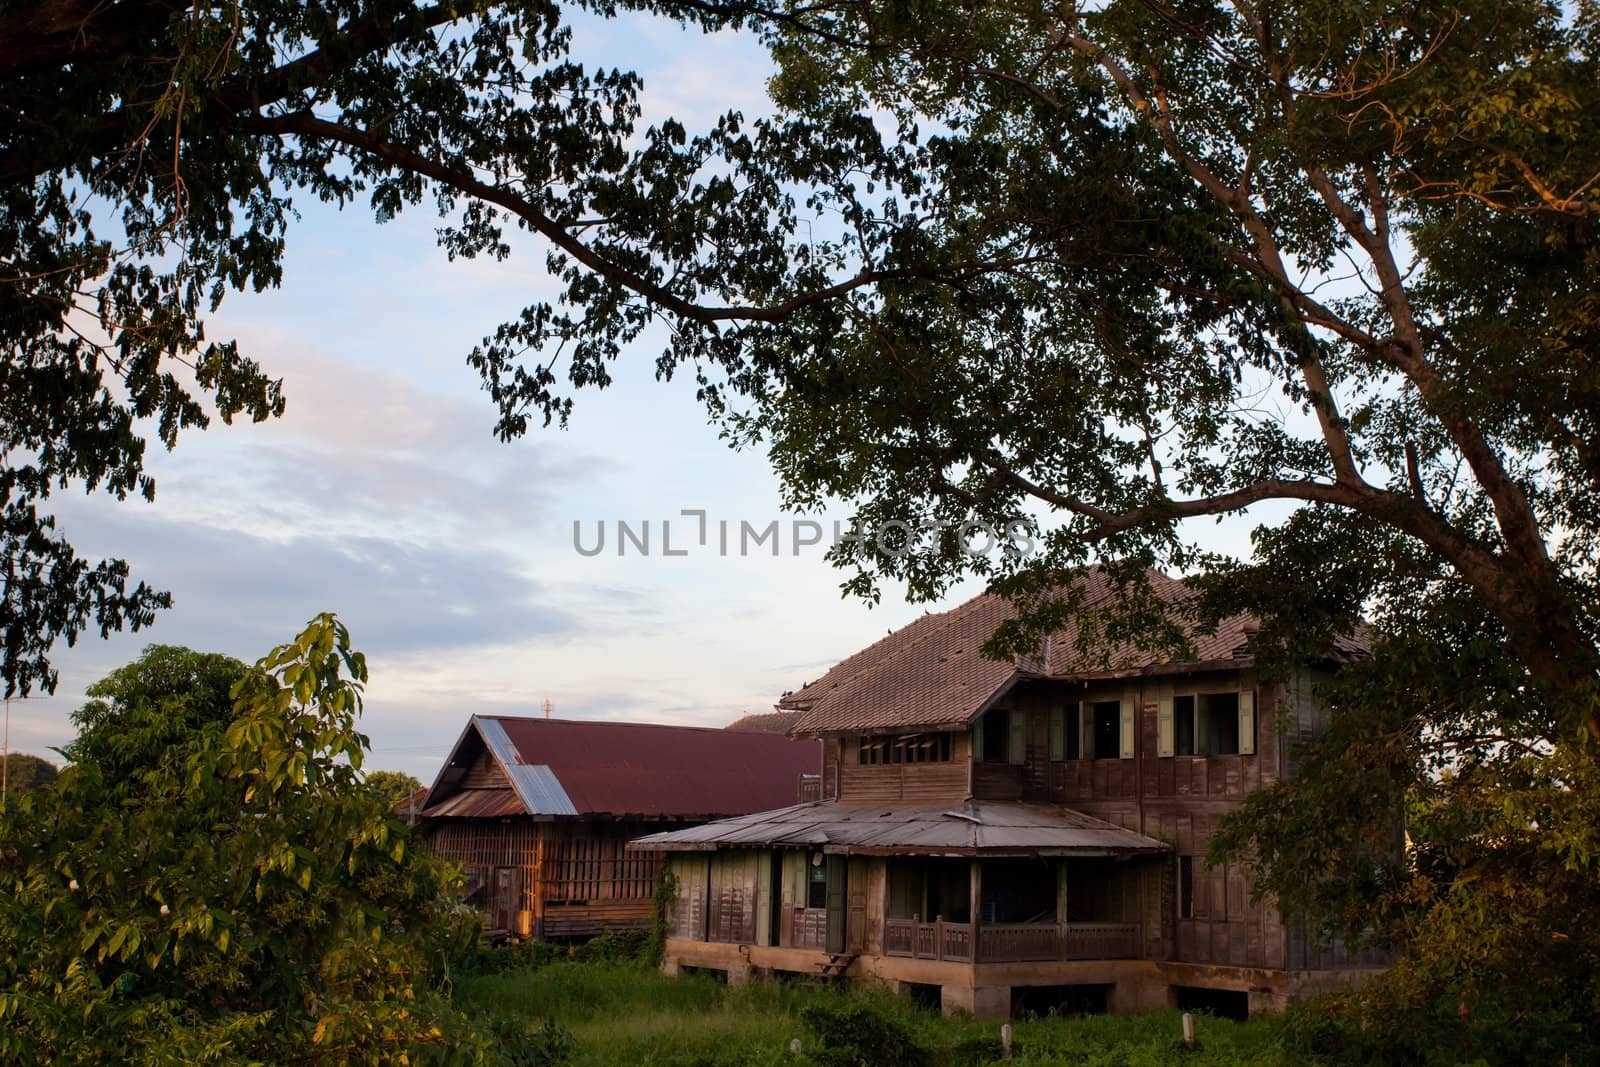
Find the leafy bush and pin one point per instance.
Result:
(210, 882)
(854, 1032)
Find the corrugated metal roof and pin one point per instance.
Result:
(565, 767)
(535, 783)
(477, 804)
(966, 827)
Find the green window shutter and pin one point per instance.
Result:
(1128, 721)
(977, 739)
(1164, 727)
(1247, 722)
(1058, 733)
(1019, 736)
(1086, 728)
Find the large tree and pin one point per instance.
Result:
(1116, 266)
(988, 256)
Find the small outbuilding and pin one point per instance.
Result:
(539, 811)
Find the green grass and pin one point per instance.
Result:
(625, 1013)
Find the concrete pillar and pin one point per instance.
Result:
(1266, 1002)
(669, 966)
(1136, 994)
(986, 1002)
(739, 974)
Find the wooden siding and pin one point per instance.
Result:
(572, 879)
(902, 781)
(1178, 799)
(485, 773)
(731, 897)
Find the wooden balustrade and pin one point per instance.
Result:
(1100, 941)
(928, 941)
(1010, 942)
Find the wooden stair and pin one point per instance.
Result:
(837, 964)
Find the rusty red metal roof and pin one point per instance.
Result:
(556, 767)
(476, 804)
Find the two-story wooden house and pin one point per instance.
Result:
(1009, 836)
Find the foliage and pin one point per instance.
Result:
(393, 786)
(152, 157)
(1111, 267)
(661, 901)
(210, 887)
(1491, 899)
(24, 772)
(850, 1033)
(140, 716)
(625, 1013)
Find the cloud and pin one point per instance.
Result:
(236, 591)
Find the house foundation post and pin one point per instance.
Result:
(984, 1002)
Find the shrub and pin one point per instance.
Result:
(855, 1032)
(210, 882)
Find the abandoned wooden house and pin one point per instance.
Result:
(1008, 836)
(539, 811)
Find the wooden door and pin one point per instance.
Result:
(838, 903)
(503, 890)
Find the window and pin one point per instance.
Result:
(1217, 724)
(1066, 732)
(995, 736)
(1185, 887)
(1207, 724)
(1106, 717)
(1183, 725)
(916, 748)
(817, 883)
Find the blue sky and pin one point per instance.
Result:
(383, 495)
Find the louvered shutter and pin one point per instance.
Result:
(1128, 721)
(1247, 722)
(1058, 733)
(1164, 745)
(1019, 736)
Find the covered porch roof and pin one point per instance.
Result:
(964, 828)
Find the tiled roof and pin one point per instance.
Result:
(962, 827)
(556, 767)
(931, 673)
(765, 722)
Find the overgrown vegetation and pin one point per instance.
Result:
(210, 881)
(624, 1012)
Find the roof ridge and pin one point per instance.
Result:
(615, 722)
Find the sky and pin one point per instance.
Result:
(383, 495)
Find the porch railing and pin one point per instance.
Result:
(928, 941)
(1010, 942)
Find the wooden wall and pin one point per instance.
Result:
(574, 877)
(1178, 799)
(901, 782)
